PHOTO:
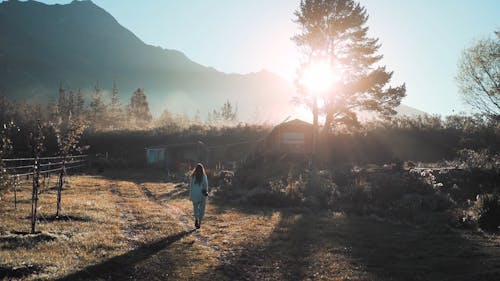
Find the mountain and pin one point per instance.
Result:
(409, 111)
(80, 43)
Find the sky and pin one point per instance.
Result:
(422, 40)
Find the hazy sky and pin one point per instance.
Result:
(421, 39)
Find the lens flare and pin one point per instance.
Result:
(319, 77)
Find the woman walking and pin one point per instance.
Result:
(198, 187)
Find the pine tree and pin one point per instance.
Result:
(97, 110)
(197, 117)
(335, 32)
(229, 112)
(79, 104)
(138, 109)
(62, 104)
(226, 115)
(115, 110)
(70, 103)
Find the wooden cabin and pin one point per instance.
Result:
(294, 137)
(176, 156)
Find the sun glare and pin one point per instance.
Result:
(319, 77)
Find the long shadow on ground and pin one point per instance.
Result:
(308, 246)
(135, 175)
(122, 267)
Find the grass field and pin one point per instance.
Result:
(129, 226)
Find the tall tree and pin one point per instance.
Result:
(334, 32)
(227, 114)
(138, 109)
(63, 110)
(115, 113)
(79, 104)
(479, 76)
(97, 110)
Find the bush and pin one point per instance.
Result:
(482, 159)
(488, 210)
(266, 197)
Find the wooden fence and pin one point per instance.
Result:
(20, 167)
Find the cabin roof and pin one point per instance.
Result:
(294, 122)
(176, 145)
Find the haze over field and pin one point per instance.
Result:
(421, 40)
(80, 44)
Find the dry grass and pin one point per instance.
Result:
(280, 244)
(101, 220)
(140, 229)
(88, 231)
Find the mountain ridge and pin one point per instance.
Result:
(80, 43)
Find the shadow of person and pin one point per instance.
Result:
(122, 267)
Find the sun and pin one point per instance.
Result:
(319, 77)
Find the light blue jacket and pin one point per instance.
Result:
(195, 194)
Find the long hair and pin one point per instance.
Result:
(198, 173)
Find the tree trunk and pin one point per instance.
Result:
(328, 122)
(34, 196)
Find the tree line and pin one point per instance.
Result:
(102, 115)
(104, 111)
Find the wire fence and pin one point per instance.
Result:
(40, 171)
(20, 167)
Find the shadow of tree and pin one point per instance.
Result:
(24, 240)
(284, 257)
(308, 246)
(135, 175)
(8, 273)
(122, 267)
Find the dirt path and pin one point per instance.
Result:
(176, 214)
(152, 250)
(129, 220)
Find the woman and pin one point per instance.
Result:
(198, 187)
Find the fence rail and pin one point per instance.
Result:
(44, 165)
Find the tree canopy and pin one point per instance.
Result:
(479, 76)
(335, 32)
(139, 109)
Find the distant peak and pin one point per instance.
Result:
(79, 2)
(34, 2)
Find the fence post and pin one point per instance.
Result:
(15, 191)
(34, 195)
(59, 188)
